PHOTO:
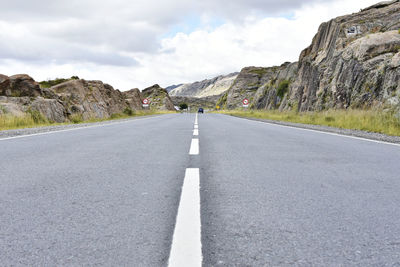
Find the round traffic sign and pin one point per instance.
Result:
(145, 101)
(245, 101)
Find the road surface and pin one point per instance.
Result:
(218, 191)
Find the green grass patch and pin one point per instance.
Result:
(378, 121)
(283, 88)
(50, 83)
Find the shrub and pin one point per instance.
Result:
(283, 88)
(50, 83)
(37, 117)
(76, 118)
(128, 111)
(183, 106)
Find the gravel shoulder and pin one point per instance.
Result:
(322, 128)
(55, 128)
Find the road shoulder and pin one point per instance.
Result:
(328, 129)
(57, 128)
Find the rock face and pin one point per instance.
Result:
(194, 102)
(52, 109)
(205, 88)
(353, 62)
(259, 85)
(134, 98)
(89, 99)
(158, 97)
(18, 86)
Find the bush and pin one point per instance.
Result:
(183, 106)
(283, 88)
(37, 117)
(76, 118)
(51, 83)
(128, 111)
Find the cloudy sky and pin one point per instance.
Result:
(137, 43)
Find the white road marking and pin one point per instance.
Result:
(196, 121)
(186, 242)
(196, 126)
(194, 147)
(328, 133)
(196, 132)
(73, 129)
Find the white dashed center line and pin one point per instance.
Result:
(186, 243)
(194, 147)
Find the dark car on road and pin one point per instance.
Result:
(201, 110)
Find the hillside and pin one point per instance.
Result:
(352, 62)
(205, 88)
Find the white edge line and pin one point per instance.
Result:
(186, 241)
(68, 130)
(194, 147)
(323, 132)
(196, 132)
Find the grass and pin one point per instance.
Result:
(33, 119)
(50, 83)
(366, 120)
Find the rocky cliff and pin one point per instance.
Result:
(259, 85)
(20, 94)
(353, 62)
(158, 97)
(205, 88)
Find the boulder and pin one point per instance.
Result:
(23, 85)
(4, 85)
(91, 99)
(52, 109)
(133, 98)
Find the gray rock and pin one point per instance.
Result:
(52, 109)
(158, 97)
(205, 88)
(134, 99)
(23, 85)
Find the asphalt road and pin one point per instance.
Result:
(269, 195)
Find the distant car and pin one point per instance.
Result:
(201, 110)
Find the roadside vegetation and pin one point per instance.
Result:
(50, 83)
(378, 121)
(33, 119)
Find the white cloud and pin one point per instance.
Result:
(120, 43)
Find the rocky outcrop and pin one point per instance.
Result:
(353, 62)
(52, 109)
(158, 97)
(205, 88)
(18, 86)
(91, 99)
(259, 85)
(194, 103)
(20, 94)
(134, 98)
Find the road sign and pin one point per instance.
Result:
(145, 103)
(245, 103)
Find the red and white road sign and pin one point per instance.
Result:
(145, 101)
(245, 102)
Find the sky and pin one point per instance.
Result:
(138, 43)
